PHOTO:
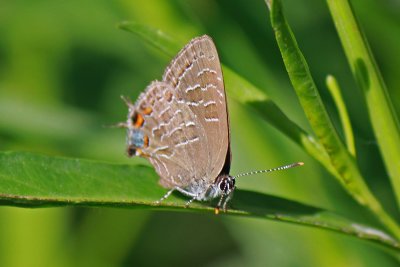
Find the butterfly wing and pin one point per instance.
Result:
(176, 140)
(196, 77)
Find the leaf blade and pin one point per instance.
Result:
(31, 180)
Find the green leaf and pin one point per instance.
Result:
(368, 77)
(30, 180)
(307, 92)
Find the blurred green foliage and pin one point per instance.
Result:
(63, 66)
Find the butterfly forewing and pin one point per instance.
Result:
(196, 76)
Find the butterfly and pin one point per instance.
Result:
(181, 125)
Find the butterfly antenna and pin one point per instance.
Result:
(271, 170)
(127, 101)
(116, 125)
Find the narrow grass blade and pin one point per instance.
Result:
(366, 72)
(156, 38)
(303, 83)
(334, 89)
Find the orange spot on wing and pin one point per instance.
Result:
(147, 110)
(139, 120)
(146, 141)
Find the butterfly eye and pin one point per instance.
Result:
(223, 185)
(227, 184)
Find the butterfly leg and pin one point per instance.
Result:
(166, 195)
(190, 201)
(227, 199)
(223, 202)
(218, 207)
(193, 196)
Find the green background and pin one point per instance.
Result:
(63, 66)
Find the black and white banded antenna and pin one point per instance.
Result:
(281, 168)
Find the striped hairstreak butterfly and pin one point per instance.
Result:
(181, 125)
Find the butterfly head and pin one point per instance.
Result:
(226, 184)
